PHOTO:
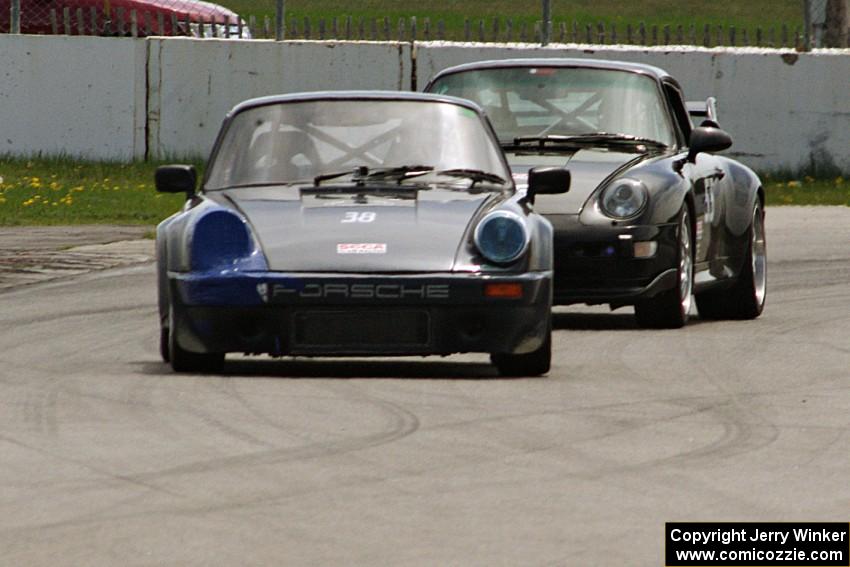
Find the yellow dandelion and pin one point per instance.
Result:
(55, 186)
(793, 184)
(839, 180)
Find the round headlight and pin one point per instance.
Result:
(623, 199)
(220, 238)
(501, 237)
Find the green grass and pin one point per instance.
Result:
(52, 191)
(749, 15)
(808, 191)
(62, 191)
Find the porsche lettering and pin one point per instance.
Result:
(363, 291)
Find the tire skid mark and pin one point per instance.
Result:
(403, 424)
(739, 434)
(213, 384)
(406, 424)
(34, 320)
(837, 436)
(127, 479)
(138, 397)
(258, 415)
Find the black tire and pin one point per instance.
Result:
(669, 309)
(163, 344)
(535, 363)
(746, 298)
(185, 361)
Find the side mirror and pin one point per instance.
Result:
(176, 179)
(707, 139)
(547, 181)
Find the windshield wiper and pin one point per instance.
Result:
(580, 140)
(363, 173)
(476, 175)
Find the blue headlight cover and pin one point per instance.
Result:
(221, 240)
(501, 237)
(624, 198)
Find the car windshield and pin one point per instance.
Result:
(564, 101)
(333, 142)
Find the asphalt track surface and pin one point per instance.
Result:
(108, 458)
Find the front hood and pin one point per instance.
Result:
(588, 169)
(341, 233)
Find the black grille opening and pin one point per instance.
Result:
(353, 329)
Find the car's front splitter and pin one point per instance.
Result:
(347, 314)
(598, 264)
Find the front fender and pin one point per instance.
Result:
(741, 197)
(542, 249)
(667, 190)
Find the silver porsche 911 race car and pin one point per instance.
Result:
(356, 223)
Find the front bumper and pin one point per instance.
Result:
(348, 314)
(596, 264)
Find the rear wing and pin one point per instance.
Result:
(703, 111)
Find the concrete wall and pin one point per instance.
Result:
(112, 98)
(784, 110)
(72, 95)
(194, 83)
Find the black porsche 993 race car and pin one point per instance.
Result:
(653, 218)
(356, 223)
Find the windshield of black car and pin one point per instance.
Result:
(299, 141)
(564, 101)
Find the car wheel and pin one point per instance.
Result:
(669, 309)
(745, 299)
(185, 361)
(534, 363)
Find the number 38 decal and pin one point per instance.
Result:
(354, 216)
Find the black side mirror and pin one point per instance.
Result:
(176, 179)
(547, 181)
(707, 139)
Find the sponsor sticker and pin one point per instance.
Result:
(361, 248)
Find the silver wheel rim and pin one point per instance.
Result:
(759, 257)
(686, 264)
